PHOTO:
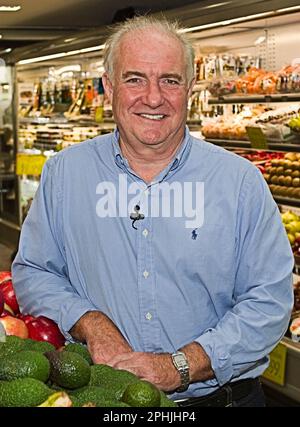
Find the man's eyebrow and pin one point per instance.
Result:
(132, 73)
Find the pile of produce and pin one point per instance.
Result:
(36, 374)
(24, 325)
(38, 369)
(291, 223)
(283, 176)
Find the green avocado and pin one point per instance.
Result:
(24, 364)
(23, 392)
(142, 394)
(116, 380)
(68, 370)
(91, 394)
(41, 346)
(165, 402)
(11, 346)
(79, 349)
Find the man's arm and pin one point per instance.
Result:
(103, 338)
(40, 274)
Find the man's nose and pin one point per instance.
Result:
(153, 95)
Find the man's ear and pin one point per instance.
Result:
(108, 87)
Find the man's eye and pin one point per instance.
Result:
(171, 82)
(133, 80)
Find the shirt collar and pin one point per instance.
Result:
(180, 156)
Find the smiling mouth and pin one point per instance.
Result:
(156, 117)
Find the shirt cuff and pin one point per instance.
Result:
(71, 312)
(220, 358)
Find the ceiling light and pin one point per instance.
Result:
(9, 8)
(69, 40)
(211, 6)
(227, 22)
(6, 50)
(0, 36)
(61, 55)
(288, 9)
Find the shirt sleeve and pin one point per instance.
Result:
(40, 273)
(263, 291)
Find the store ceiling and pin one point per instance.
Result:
(44, 20)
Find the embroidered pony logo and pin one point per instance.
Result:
(194, 234)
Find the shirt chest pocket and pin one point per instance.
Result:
(208, 250)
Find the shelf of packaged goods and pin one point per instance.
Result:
(291, 387)
(254, 99)
(272, 146)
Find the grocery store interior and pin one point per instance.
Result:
(246, 99)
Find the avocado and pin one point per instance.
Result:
(165, 402)
(115, 380)
(41, 346)
(25, 364)
(112, 404)
(11, 346)
(23, 392)
(68, 370)
(79, 349)
(91, 394)
(142, 394)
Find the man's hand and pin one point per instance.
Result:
(159, 368)
(155, 368)
(103, 338)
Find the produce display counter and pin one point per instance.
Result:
(272, 146)
(291, 386)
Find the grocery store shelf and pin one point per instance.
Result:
(291, 387)
(251, 99)
(272, 146)
(287, 201)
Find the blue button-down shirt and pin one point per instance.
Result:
(223, 280)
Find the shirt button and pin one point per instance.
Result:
(146, 274)
(146, 192)
(145, 232)
(148, 316)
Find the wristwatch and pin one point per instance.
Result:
(181, 364)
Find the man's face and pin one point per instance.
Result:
(149, 91)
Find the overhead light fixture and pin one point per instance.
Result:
(259, 40)
(6, 50)
(69, 40)
(240, 19)
(212, 6)
(227, 22)
(0, 36)
(9, 8)
(61, 55)
(288, 9)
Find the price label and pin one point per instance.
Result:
(30, 164)
(257, 138)
(276, 369)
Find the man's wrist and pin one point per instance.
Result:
(180, 362)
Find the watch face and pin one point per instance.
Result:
(180, 361)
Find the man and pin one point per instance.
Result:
(166, 255)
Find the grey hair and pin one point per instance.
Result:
(138, 23)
